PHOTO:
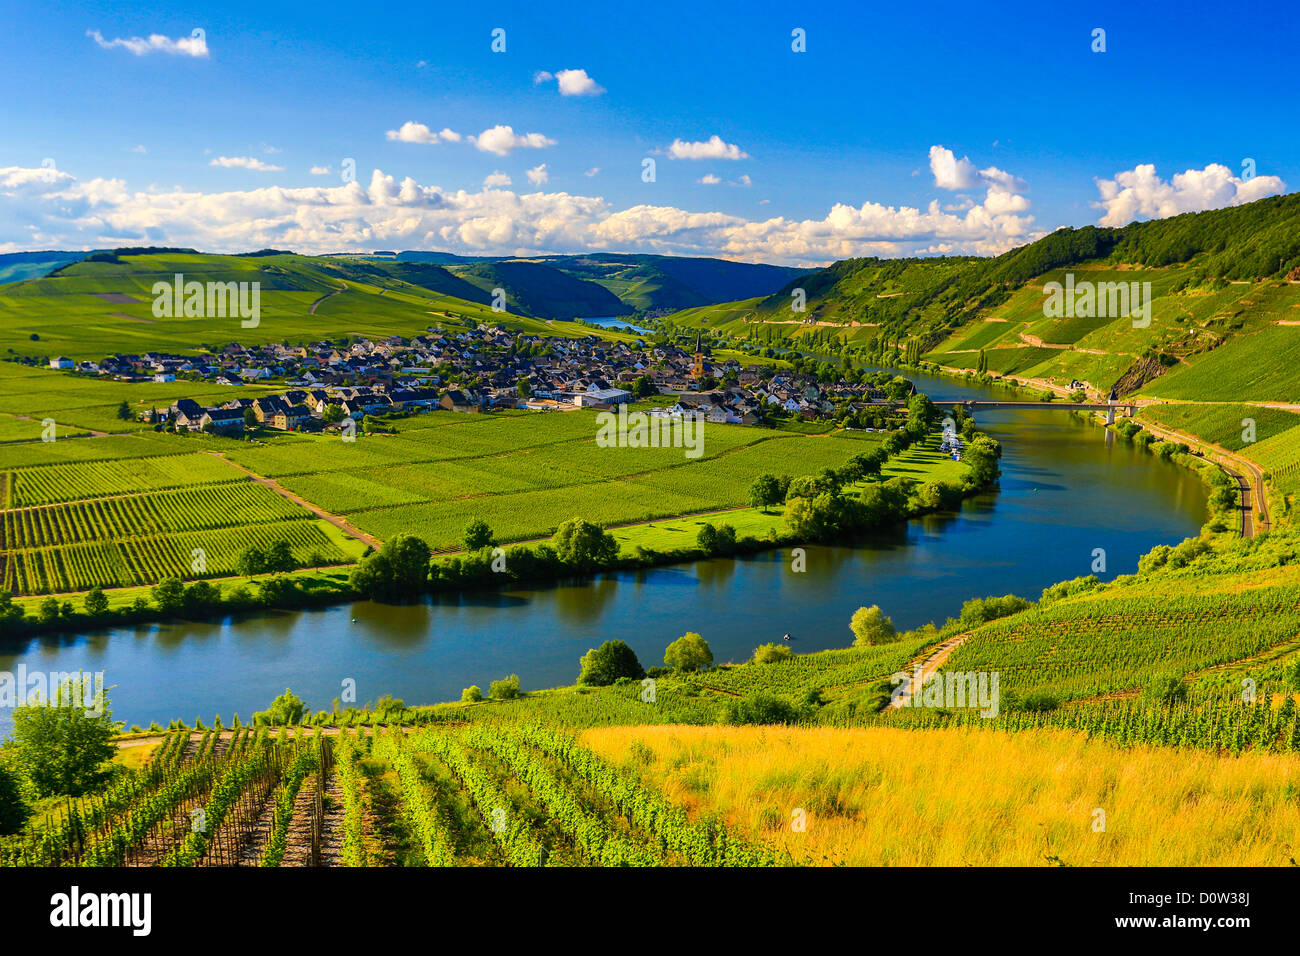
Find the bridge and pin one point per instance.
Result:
(974, 405)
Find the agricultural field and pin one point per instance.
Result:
(1121, 638)
(478, 796)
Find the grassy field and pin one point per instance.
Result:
(883, 797)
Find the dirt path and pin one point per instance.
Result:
(928, 666)
(298, 839)
(337, 520)
(331, 846)
(311, 309)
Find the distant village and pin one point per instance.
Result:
(472, 371)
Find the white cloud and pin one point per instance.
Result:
(244, 162)
(48, 208)
(538, 175)
(577, 83)
(744, 180)
(195, 45)
(592, 172)
(320, 170)
(139, 148)
(412, 132)
(496, 180)
(953, 173)
(710, 180)
(712, 148)
(542, 76)
(1140, 193)
(501, 140)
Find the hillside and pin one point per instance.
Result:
(535, 289)
(104, 305)
(16, 266)
(644, 282)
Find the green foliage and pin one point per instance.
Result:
(689, 652)
(505, 689)
(61, 745)
(471, 694)
(478, 535)
(285, 711)
(771, 654)
(871, 626)
(760, 708)
(609, 662)
(399, 569)
(583, 545)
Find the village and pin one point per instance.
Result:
(481, 370)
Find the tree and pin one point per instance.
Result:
(524, 387)
(252, 560)
(478, 535)
(764, 492)
(333, 414)
(471, 694)
(13, 809)
(285, 711)
(61, 745)
(707, 537)
(250, 418)
(169, 595)
(583, 545)
(48, 611)
(124, 411)
(603, 665)
(398, 569)
(871, 626)
(279, 557)
(690, 652)
(505, 689)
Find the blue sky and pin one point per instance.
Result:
(838, 142)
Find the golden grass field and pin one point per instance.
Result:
(956, 797)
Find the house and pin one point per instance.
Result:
(457, 401)
(61, 361)
(165, 377)
(222, 420)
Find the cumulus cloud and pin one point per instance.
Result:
(196, 44)
(570, 82)
(502, 140)
(538, 175)
(542, 76)
(320, 170)
(244, 162)
(952, 173)
(496, 180)
(710, 180)
(711, 148)
(592, 172)
(1140, 193)
(412, 132)
(47, 208)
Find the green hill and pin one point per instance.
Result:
(17, 266)
(539, 290)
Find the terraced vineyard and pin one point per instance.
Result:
(440, 796)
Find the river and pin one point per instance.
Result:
(1068, 488)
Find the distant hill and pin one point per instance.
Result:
(539, 290)
(16, 266)
(642, 281)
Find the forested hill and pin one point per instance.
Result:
(930, 298)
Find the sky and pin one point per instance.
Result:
(788, 133)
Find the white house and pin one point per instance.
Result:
(60, 361)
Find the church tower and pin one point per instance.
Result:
(698, 370)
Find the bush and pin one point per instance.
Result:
(602, 666)
(471, 694)
(771, 654)
(760, 708)
(979, 611)
(871, 626)
(505, 689)
(13, 809)
(689, 652)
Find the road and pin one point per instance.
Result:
(1247, 474)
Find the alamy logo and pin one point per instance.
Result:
(1098, 300)
(25, 688)
(626, 429)
(953, 689)
(133, 910)
(211, 300)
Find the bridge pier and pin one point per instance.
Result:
(1110, 415)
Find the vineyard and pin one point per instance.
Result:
(469, 796)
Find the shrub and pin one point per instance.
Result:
(689, 652)
(760, 708)
(771, 654)
(504, 689)
(602, 666)
(871, 626)
(471, 694)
